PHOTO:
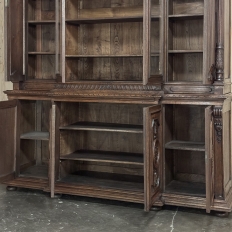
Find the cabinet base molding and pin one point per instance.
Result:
(31, 183)
(111, 194)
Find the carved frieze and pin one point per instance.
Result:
(128, 87)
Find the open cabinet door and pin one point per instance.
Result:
(152, 155)
(8, 122)
(14, 40)
(209, 158)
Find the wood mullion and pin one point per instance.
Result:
(38, 73)
(146, 40)
(63, 50)
(57, 34)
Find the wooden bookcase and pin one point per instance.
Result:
(122, 100)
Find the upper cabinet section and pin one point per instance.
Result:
(110, 40)
(41, 39)
(191, 44)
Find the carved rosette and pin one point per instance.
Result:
(217, 114)
(156, 153)
(219, 62)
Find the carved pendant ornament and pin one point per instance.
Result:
(156, 153)
(217, 113)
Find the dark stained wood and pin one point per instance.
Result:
(8, 127)
(105, 181)
(37, 171)
(186, 7)
(15, 41)
(126, 62)
(95, 126)
(152, 155)
(185, 145)
(102, 156)
(209, 159)
(185, 188)
(36, 135)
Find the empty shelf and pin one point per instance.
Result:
(37, 171)
(107, 20)
(35, 135)
(41, 53)
(105, 180)
(185, 51)
(186, 16)
(185, 145)
(105, 156)
(189, 188)
(37, 22)
(110, 127)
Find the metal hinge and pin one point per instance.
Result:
(7, 3)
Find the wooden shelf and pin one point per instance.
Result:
(185, 51)
(105, 180)
(110, 127)
(107, 20)
(37, 171)
(186, 16)
(184, 145)
(36, 22)
(105, 156)
(108, 56)
(35, 135)
(41, 53)
(186, 188)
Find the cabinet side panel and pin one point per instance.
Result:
(7, 137)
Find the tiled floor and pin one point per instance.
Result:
(33, 211)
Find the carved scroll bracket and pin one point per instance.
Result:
(217, 114)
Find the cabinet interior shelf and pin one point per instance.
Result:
(98, 126)
(185, 51)
(36, 171)
(184, 145)
(105, 156)
(108, 56)
(107, 20)
(41, 53)
(105, 180)
(189, 188)
(186, 16)
(35, 135)
(37, 22)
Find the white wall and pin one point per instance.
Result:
(4, 85)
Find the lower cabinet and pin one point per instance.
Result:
(166, 154)
(26, 141)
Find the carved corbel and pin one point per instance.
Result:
(217, 114)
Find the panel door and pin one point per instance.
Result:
(8, 116)
(152, 155)
(209, 154)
